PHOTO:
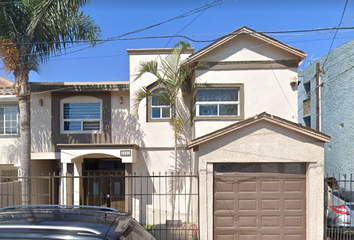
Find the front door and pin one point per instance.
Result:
(104, 183)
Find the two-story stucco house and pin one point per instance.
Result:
(260, 173)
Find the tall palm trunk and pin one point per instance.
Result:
(25, 151)
(175, 182)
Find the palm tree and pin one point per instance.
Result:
(31, 31)
(171, 78)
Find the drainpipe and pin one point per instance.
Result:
(318, 97)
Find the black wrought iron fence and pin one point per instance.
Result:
(166, 205)
(339, 207)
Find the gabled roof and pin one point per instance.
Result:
(6, 87)
(258, 118)
(5, 82)
(245, 31)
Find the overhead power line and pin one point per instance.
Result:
(334, 37)
(182, 36)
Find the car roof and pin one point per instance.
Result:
(98, 222)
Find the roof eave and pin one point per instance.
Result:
(245, 30)
(261, 117)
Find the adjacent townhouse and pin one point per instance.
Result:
(260, 174)
(9, 130)
(333, 116)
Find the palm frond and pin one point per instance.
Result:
(148, 67)
(10, 55)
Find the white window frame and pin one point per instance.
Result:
(218, 103)
(161, 107)
(80, 99)
(17, 121)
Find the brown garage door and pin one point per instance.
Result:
(260, 202)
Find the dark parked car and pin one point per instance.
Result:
(69, 222)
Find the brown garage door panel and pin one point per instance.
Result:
(259, 206)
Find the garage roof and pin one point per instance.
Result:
(252, 120)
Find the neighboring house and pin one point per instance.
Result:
(335, 104)
(9, 129)
(260, 173)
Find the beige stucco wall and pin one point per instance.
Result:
(246, 48)
(41, 123)
(154, 134)
(265, 90)
(123, 126)
(259, 143)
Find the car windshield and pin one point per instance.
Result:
(347, 196)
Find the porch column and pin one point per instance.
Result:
(63, 184)
(77, 180)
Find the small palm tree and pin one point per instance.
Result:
(31, 31)
(171, 78)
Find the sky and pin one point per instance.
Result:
(109, 61)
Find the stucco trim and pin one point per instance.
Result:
(149, 51)
(101, 146)
(79, 87)
(245, 30)
(248, 65)
(260, 117)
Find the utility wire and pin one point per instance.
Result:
(210, 5)
(334, 37)
(181, 36)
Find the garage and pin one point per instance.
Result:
(260, 201)
(261, 179)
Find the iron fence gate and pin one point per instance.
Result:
(339, 207)
(165, 204)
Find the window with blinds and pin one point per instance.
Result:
(82, 117)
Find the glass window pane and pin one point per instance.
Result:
(166, 112)
(292, 168)
(247, 167)
(157, 101)
(117, 188)
(91, 126)
(96, 188)
(155, 113)
(8, 120)
(211, 95)
(208, 110)
(270, 167)
(82, 110)
(224, 168)
(72, 126)
(228, 109)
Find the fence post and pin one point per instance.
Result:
(325, 207)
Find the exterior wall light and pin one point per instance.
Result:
(121, 100)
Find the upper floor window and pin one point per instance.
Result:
(9, 120)
(217, 102)
(81, 116)
(159, 107)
